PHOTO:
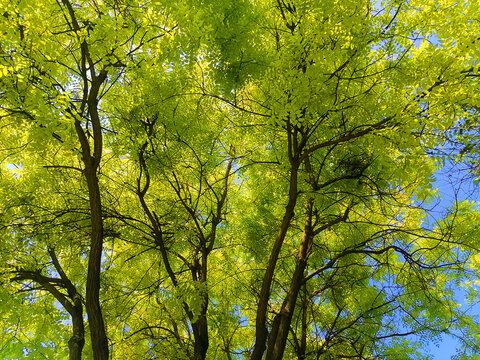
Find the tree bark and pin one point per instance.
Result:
(200, 334)
(281, 324)
(91, 159)
(92, 303)
(261, 331)
(92, 162)
(77, 341)
(200, 327)
(74, 308)
(71, 302)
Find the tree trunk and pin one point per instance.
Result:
(261, 332)
(281, 324)
(200, 334)
(95, 318)
(200, 327)
(92, 161)
(294, 153)
(77, 341)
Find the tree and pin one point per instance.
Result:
(220, 180)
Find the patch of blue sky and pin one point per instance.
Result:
(454, 184)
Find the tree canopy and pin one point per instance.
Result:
(235, 179)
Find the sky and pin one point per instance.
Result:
(454, 183)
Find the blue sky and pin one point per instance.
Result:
(454, 183)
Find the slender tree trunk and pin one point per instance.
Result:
(77, 341)
(92, 161)
(95, 318)
(303, 336)
(261, 332)
(71, 302)
(294, 154)
(200, 327)
(200, 334)
(281, 324)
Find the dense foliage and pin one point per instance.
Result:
(235, 179)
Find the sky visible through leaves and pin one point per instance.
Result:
(215, 179)
(454, 182)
